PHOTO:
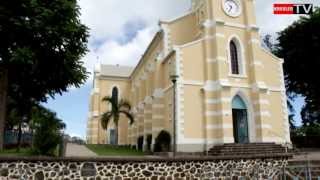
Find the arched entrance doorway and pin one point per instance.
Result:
(240, 120)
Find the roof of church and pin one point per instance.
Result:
(115, 70)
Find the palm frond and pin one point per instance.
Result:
(105, 119)
(108, 99)
(124, 104)
(116, 118)
(129, 116)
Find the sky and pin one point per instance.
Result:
(120, 31)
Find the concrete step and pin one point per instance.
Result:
(241, 153)
(246, 149)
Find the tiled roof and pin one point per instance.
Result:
(115, 70)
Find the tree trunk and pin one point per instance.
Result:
(19, 134)
(117, 135)
(3, 103)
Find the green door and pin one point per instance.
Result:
(240, 125)
(240, 120)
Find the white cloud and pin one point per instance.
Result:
(107, 18)
(113, 52)
(108, 22)
(111, 20)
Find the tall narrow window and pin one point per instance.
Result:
(234, 58)
(115, 94)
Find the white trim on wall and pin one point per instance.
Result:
(218, 85)
(262, 113)
(254, 41)
(209, 23)
(192, 82)
(261, 102)
(166, 39)
(219, 126)
(218, 113)
(264, 126)
(218, 100)
(95, 113)
(257, 63)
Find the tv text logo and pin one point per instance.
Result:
(292, 8)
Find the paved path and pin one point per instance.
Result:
(78, 150)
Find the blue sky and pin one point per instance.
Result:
(120, 31)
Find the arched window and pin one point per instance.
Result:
(234, 58)
(115, 94)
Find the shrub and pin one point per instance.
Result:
(307, 136)
(140, 143)
(149, 141)
(162, 142)
(47, 132)
(133, 147)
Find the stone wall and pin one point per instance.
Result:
(139, 168)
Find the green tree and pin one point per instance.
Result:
(267, 42)
(299, 45)
(162, 142)
(40, 50)
(47, 128)
(117, 108)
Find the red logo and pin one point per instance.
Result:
(292, 8)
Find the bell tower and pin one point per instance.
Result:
(235, 11)
(232, 47)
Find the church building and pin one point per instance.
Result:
(228, 88)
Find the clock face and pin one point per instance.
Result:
(231, 7)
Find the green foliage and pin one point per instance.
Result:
(40, 48)
(299, 45)
(117, 108)
(109, 150)
(267, 42)
(47, 131)
(140, 143)
(162, 142)
(308, 130)
(149, 141)
(306, 136)
(13, 152)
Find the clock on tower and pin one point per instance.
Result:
(231, 7)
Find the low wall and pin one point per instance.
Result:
(154, 168)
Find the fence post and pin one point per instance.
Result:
(284, 173)
(309, 170)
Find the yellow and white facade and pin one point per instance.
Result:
(215, 50)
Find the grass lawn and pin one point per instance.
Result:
(13, 152)
(107, 150)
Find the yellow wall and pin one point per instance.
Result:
(196, 47)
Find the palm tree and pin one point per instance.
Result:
(123, 107)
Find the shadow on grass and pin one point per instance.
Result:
(13, 152)
(109, 150)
